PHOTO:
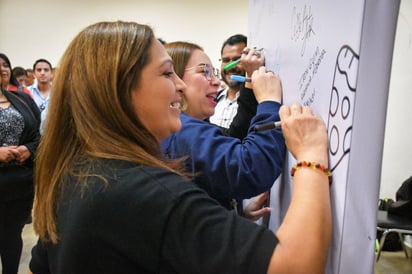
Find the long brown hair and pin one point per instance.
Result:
(90, 114)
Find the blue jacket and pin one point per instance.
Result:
(230, 168)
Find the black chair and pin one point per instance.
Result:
(392, 223)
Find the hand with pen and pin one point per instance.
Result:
(266, 86)
(251, 54)
(250, 61)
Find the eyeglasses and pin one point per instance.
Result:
(207, 70)
(226, 60)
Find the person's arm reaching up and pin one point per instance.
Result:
(305, 233)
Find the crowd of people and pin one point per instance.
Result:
(145, 176)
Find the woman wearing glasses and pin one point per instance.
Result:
(228, 168)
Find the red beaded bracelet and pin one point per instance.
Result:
(313, 165)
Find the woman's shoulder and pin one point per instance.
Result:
(19, 90)
(26, 91)
(129, 171)
(158, 175)
(18, 97)
(12, 88)
(192, 125)
(195, 132)
(142, 182)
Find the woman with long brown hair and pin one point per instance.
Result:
(107, 202)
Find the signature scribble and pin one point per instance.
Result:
(302, 26)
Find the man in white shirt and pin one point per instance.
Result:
(226, 107)
(41, 89)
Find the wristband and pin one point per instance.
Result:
(313, 165)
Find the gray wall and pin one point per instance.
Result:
(43, 28)
(397, 153)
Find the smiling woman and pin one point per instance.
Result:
(103, 185)
(202, 85)
(156, 98)
(227, 168)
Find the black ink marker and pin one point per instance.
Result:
(267, 126)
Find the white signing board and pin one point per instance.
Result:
(335, 56)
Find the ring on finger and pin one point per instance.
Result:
(295, 107)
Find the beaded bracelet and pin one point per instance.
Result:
(313, 165)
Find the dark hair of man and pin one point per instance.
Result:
(19, 71)
(41, 61)
(233, 40)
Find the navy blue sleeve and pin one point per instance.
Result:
(231, 168)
